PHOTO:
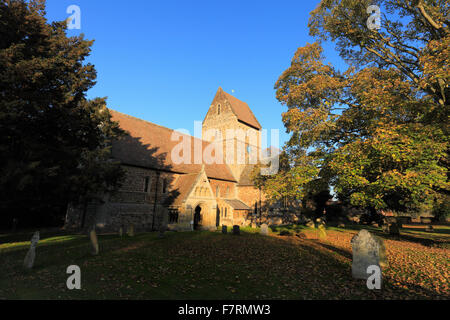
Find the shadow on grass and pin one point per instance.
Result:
(397, 290)
(406, 234)
(309, 265)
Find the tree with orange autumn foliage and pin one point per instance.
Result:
(377, 131)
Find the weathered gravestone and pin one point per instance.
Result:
(130, 230)
(224, 229)
(368, 250)
(264, 229)
(94, 241)
(322, 231)
(28, 262)
(236, 230)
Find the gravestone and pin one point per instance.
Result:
(94, 241)
(322, 231)
(264, 229)
(164, 221)
(236, 230)
(162, 230)
(310, 224)
(28, 262)
(392, 228)
(224, 229)
(130, 230)
(368, 250)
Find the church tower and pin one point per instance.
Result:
(231, 124)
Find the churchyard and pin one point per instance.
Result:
(289, 262)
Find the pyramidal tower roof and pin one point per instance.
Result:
(240, 109)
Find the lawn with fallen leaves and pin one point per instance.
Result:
(211, 265)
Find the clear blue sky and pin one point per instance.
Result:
(163, 61)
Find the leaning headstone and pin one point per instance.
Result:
(94, 241)
(28, 262)
(322, 231)
(130, 230)
(368, 250)
(264, 229)
(224, 229)
(236, 230)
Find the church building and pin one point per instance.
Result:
(198, 194)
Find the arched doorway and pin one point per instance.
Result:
(197, 217)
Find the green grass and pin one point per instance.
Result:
(191, 265)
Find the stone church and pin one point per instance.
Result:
(158, 191)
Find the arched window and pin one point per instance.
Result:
(226, 212)
(218, 108)
(256, 207)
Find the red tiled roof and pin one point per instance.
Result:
(182, 186)
(241, 110)
(237, 204)
(149, 145)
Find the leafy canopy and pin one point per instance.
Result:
(377, 131)
(53, 140)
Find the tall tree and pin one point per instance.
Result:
(379, 128)
(54, 142)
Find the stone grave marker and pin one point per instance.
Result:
(28, 262)
(310, 224)
(224, 229)
(236, 230)
(162, 230)
(322, 231)
(130, 230)
(264, 229)
(94, 241)
(393, 229)
(368, 250)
